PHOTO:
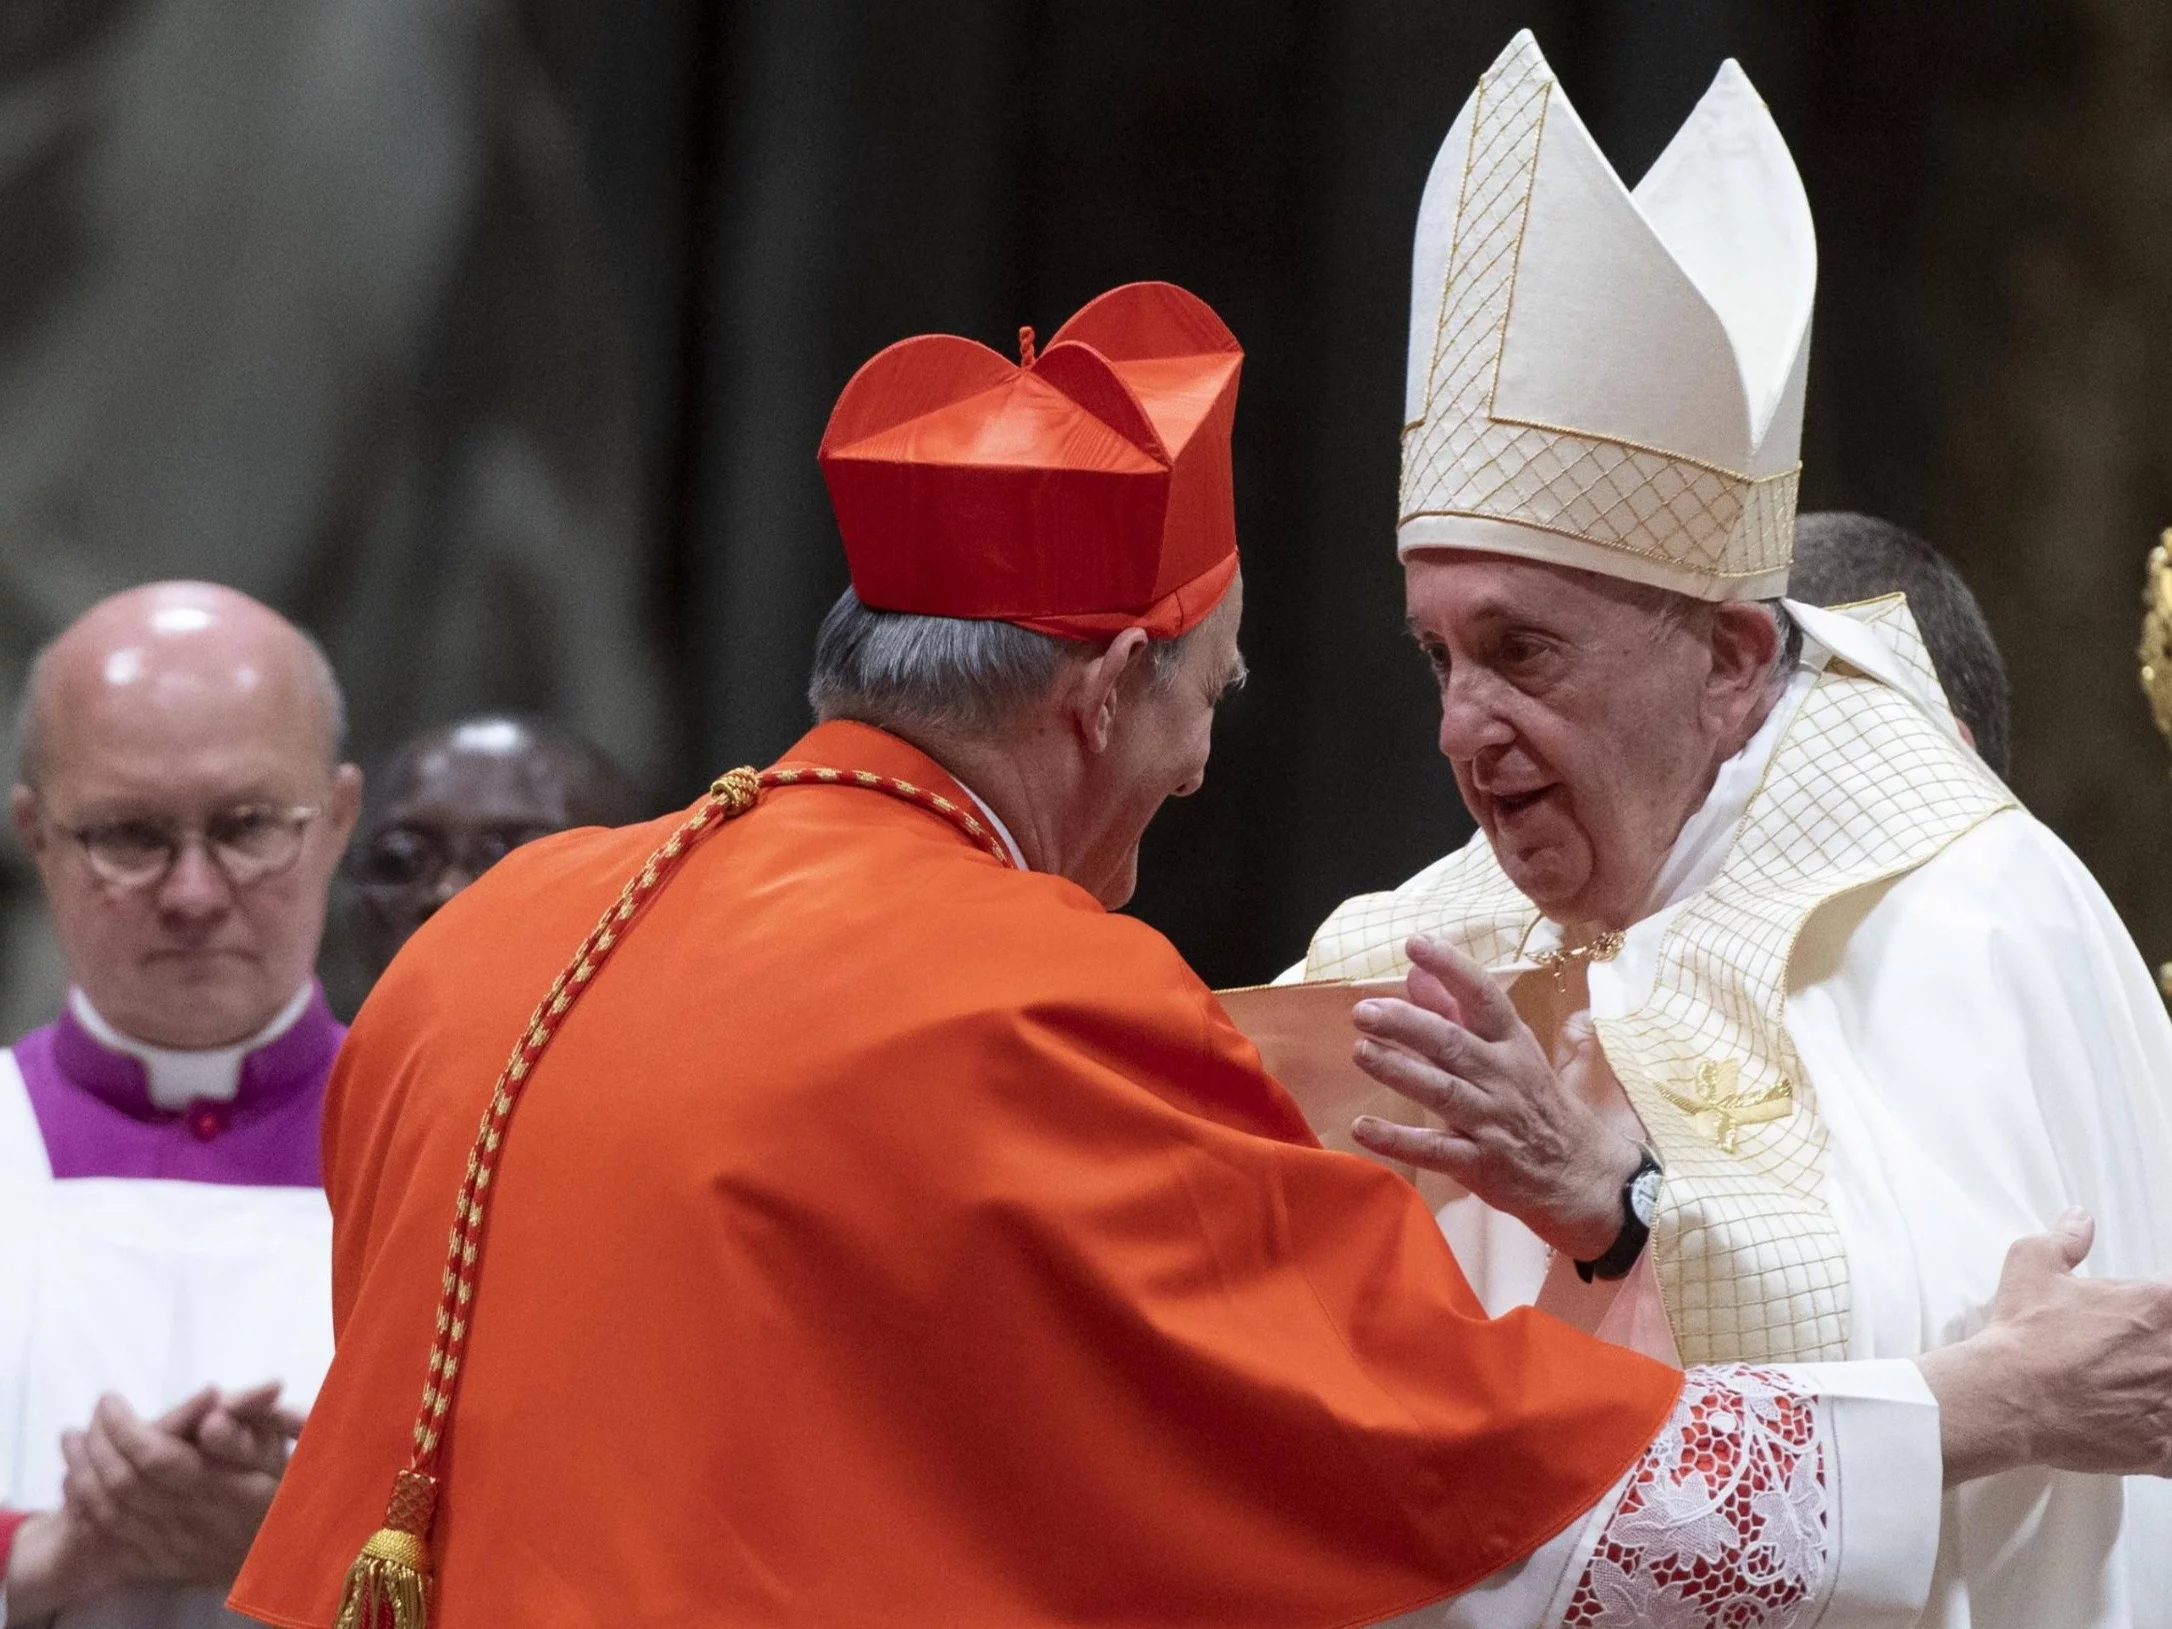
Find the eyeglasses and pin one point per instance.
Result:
(249, 842)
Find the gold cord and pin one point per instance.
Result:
(389, 1583)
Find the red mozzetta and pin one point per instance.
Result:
(895, 1237)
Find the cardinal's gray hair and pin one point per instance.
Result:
(898, 670)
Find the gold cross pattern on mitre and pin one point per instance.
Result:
(1720, 1108)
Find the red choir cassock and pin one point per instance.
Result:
(867, 1231)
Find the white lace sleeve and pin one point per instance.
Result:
(1773, 1498)
(1726, 1521)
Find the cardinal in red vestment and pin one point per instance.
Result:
(853, 1220)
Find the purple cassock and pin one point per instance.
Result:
(94, 1108)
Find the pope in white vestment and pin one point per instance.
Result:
(1874, 1018)
(1986, 1049)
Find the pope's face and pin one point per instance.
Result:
(1584, 723)
(1158, 747)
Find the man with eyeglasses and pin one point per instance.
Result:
(452, 802)
(164, 1241)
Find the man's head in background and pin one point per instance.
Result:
(181, 793)
(451, 802)
(1841, 558)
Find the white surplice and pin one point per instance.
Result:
(1988, 1050)
(153, 1290)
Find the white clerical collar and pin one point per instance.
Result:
(177, 1078)
(1700, 847)
(1017, 857)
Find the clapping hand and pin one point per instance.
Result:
(174, 1501)
(244, 1430)
(178, 1499)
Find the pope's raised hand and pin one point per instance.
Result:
(1515, 1136)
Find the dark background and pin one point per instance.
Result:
(775, 189)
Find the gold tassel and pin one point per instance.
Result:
(388, 1587)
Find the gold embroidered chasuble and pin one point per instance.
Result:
(1863, 786)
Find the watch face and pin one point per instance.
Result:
(1644, 1195)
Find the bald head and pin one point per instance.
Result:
(181, 791)
(177, 654)
(555, 778)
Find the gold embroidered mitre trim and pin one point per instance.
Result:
(1863, 787)
(1462, 459)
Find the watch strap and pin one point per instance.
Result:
(1635, 1232)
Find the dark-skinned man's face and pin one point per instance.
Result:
(454, 803)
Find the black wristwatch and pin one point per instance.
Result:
(1639, 1200)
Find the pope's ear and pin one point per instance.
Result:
(1745, 640)
(1099, 692)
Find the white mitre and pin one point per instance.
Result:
(1607, 379)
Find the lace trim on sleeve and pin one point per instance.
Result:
(1725, 1523)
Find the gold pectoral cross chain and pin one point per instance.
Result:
(1602, 947)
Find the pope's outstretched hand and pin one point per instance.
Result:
(1516, 1137)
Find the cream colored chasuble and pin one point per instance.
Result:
(1878, 1023)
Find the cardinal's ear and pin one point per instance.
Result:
(1098, 694)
